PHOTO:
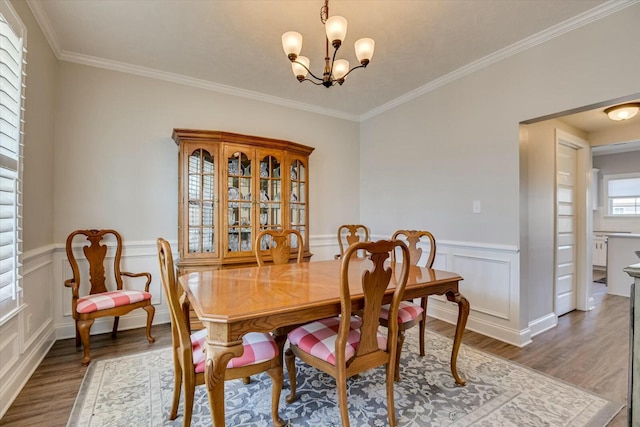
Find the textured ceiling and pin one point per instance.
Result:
(235, 45)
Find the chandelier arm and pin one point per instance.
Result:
(354, 68)
(335, 51)
(308, 70)
(311, 81)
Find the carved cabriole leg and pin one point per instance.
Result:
(151, 311)
(78, 342)
(276, 379)
(114, 332)
(423, 324)
(463, 314)
(217, 359)
(401, 336)
(290, 359)
(84, 327)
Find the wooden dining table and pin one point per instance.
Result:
(233, 302)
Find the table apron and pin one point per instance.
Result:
(230, 333)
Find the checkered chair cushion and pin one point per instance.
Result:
(105, 300)
(407, 311)
(258, 347)
(319, 338)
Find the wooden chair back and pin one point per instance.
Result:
(374, 282)
(178, 308)
(413, 238)
(278, 244)
(348, 234)
(96, 255)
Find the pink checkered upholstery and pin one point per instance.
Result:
(407, 311)
(319, 338)
(105, 300)
(258, 347)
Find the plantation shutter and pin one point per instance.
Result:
(12, 77)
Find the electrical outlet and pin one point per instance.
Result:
(477, 208)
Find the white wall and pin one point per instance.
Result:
(459, 142)
(116, 164)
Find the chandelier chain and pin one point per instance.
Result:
(324, 12)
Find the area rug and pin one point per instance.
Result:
(137, 390)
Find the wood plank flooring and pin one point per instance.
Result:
(588, 349)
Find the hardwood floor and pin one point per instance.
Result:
(588, 349)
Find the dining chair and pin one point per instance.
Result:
(411, 314)
(347, 345)
(260, 352)
(89, 278)
(349, 234)
(278, 244)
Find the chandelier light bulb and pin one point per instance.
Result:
(299, 70)
(364, 50)
(336, 28)
(292, 44)
(340, 68)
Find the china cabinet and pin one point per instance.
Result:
(230, 188)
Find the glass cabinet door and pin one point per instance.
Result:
(270, 194)
(200, 202)
(239, 203)
(298, 199)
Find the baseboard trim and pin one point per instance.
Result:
(28, 363)
(543, 324)
(449, 313)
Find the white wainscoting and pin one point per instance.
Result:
(26, 337)
(491, 285)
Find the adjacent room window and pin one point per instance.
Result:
(623, 194)
(12, 82)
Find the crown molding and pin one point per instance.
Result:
(45, 26)
(201, 84)
(591, 15)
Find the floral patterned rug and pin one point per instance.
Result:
(137, 390)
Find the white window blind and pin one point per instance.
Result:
(623, 194)
(12, 78)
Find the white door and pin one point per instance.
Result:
(567, 166)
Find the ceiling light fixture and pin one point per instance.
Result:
(623, 111)
(335, 71)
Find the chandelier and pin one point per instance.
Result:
(335, 71)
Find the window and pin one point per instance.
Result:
(12, 79)
(623, 194)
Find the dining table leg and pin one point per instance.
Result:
(463, 314)
(218, 357)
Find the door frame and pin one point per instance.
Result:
(584, 219)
